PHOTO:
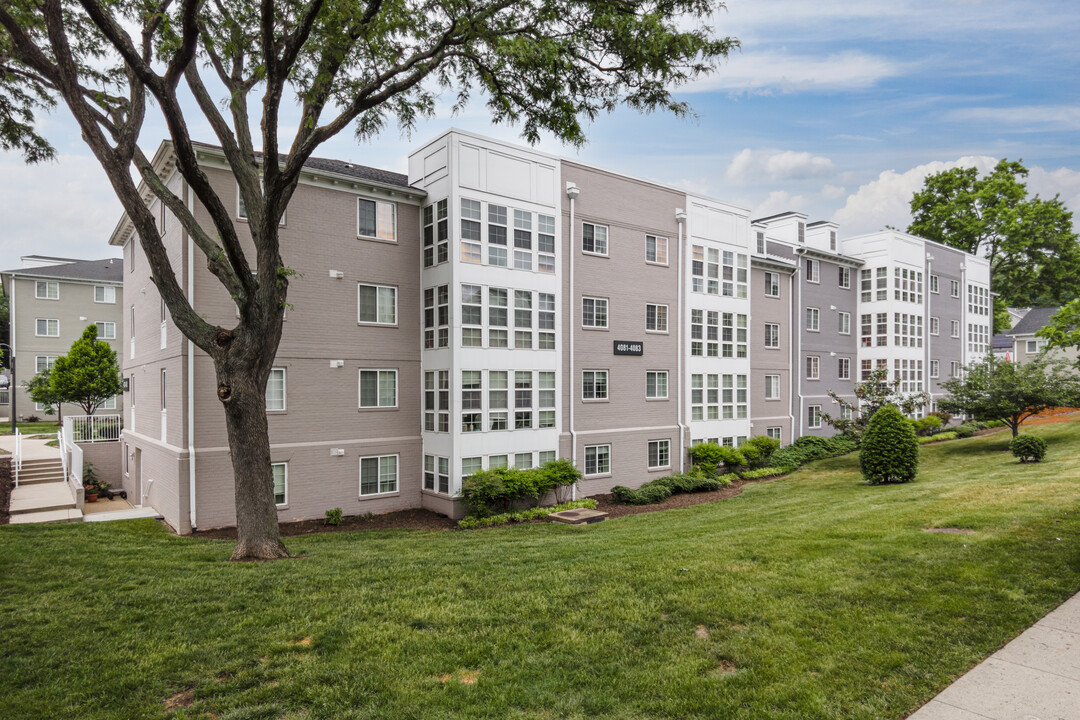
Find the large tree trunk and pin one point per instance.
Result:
(242, 391)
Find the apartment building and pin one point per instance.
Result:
(497, 307)
(1025, 345)
(51, 301)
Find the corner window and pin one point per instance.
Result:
(594, 239)
(594, 312)
(656, 250)
(376, 219)
(281, 483)
(379, 475)
(47, 290)
(47, 327)
(105, 294)
(275, 390)
(659, 454)
(377, 304)
(597, 459)
(378, 388)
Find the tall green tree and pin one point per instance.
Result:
(40, 390)
(1030, 242)
(999, 389)
(871, 394)
(88, 375)
(547, 65)
(1063, 330)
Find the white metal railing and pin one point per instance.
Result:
(60, 443)
(16, 459)
(71, 455)
(93, 428)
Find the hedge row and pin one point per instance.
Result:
(469, 523)
(939, 437)
(764, 473)
(810, 447)
(661, 489)
(501, 487)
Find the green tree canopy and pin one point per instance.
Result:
(88, 375)
(996, 389)
(546, 65)
(1063, 330)
(1030, 242)
(871, 395)
(40, 390)
(889, 452)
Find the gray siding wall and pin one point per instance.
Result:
(627, 421)
(943, 347)
(770, 361)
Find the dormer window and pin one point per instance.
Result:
(760, 242)
(802, 231)
(832, 240)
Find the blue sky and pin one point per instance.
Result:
(836, 109)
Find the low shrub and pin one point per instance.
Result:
(809, 448)
(333, 517)
(764, 473)
(927, 425)
(995, 424)
(945, 417)
(710, 457)
(965, 431)
(486, 491)
(890, 449)
(937, 438)
(659, 490)
(469, 523)
(759, 450)
(1028, 448)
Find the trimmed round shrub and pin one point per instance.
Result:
(1028, 448)
(965, 430)
(758, 450)
(709, 457)
(890, 450)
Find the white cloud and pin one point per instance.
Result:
(756, 166)
(1063, 182)
(1029, 118)
(779, 201)
(64, 208)
(832, 192)
(763, 72)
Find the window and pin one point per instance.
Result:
(594, 239)
(1032, 346)
(704, 397)
(656, 249)
(772, 284)
(954, 290)
(523, 337)
(597, 459)
(813, 367)
(275, 390)
(497, 461)
(813, 319)
(935, 326)
(814, 417)
(734, 329)
(882, 327)
(47, 327)
(882, 283)
(656, 384)
(546, 399)
(659, 454)
(437, 299)
(772, 387)
(866, 330)
(802, 231)
(546, 321)
(772, 335)
(376, 304)
(164, 403)
(523, 240)
(471, 401)
(845, 277)
(281, 482)
(545, 243)
(47, 290)
(497, 399)
(45, 362)
(378, 388)
(109, 404)
(843, 370)
(594, 312)
(523, 400)
(832, 242)
(471, 465)
(498, 318)
(656, 317)
(379, 475)
(472, 313)
(375, 219)
(954, 369)
(470, 231)
(955, 327)
(844, 323)
(734, 396)
(933, 368)
(497, 235)
(934, 281)
(105, 294)
(546, 456)
(436, 234)
(760, 243)
(813, 274)
(773, 432)
(106, 330)
(594, 384)
(523, 461)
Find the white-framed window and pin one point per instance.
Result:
(934, 283)
(1032, 346)
(772, 284)
(594, 312)
(813, 367)
(47, 290)
(772, 387)
(379, 475)
(954, 288)
(378, 388)
(656, 317)
(597, 459)
(760, 237)
(47, 327)
(935, 325)
(280, 472)
(472, 401)
(437, 316)
(814, 417)
(843, 321)
(471, 465)
(275, 390)
(376, 219)
(656, 250)
(656, 384)
(594, 239)
(545, 321)
(774, 433)
(844, 278)
(45, 362)
(933, 368)
(772, 335)
(802, 231)
(594, 384)
(545, 243)
(472, 315)
(545, 416)
(523, 461)
(882, 283)
(105, 294)
(954, 369)
(164, 393)
(436, 233)
(843, 368)
(109, 404)
(832, 242)
(545, 456)
(955, 328)
(523, 400)
(813, 272)
(813, 319)
(106, 330)
(659, 454)
(376, 304)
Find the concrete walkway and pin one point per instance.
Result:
(42, 494)
(1035, 677)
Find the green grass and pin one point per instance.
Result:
(826, 595)
(30, 428)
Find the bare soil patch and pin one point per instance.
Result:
(182, 699)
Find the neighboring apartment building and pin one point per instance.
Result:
(496, 307)
(51, 301)
(1026, 345)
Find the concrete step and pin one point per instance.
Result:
(47, 516)
(40, 498)
(38, 479)
(42, 462)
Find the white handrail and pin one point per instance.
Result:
(93, 428)
(63, 451)
(17, 458)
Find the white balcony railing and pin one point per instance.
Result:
(94, 428)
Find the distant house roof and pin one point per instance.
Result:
(1035, 320)
(1003, 342)
(106, 270)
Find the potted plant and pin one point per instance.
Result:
(93, 485)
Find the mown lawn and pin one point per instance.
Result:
(809, 597)
(30, 428)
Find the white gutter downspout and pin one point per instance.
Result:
(926, 331)
(191, 370)
(963, 317)
(680, 217)
(795, 345)
(572, 192)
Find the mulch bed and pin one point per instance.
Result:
(419, 519)
(6, 484)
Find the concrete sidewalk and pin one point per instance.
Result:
(1035, 677)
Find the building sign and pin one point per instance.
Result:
(629, 347)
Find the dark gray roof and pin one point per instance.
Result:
(106, 270)
(1035, 320)
(773, 217)
(1003, 342)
